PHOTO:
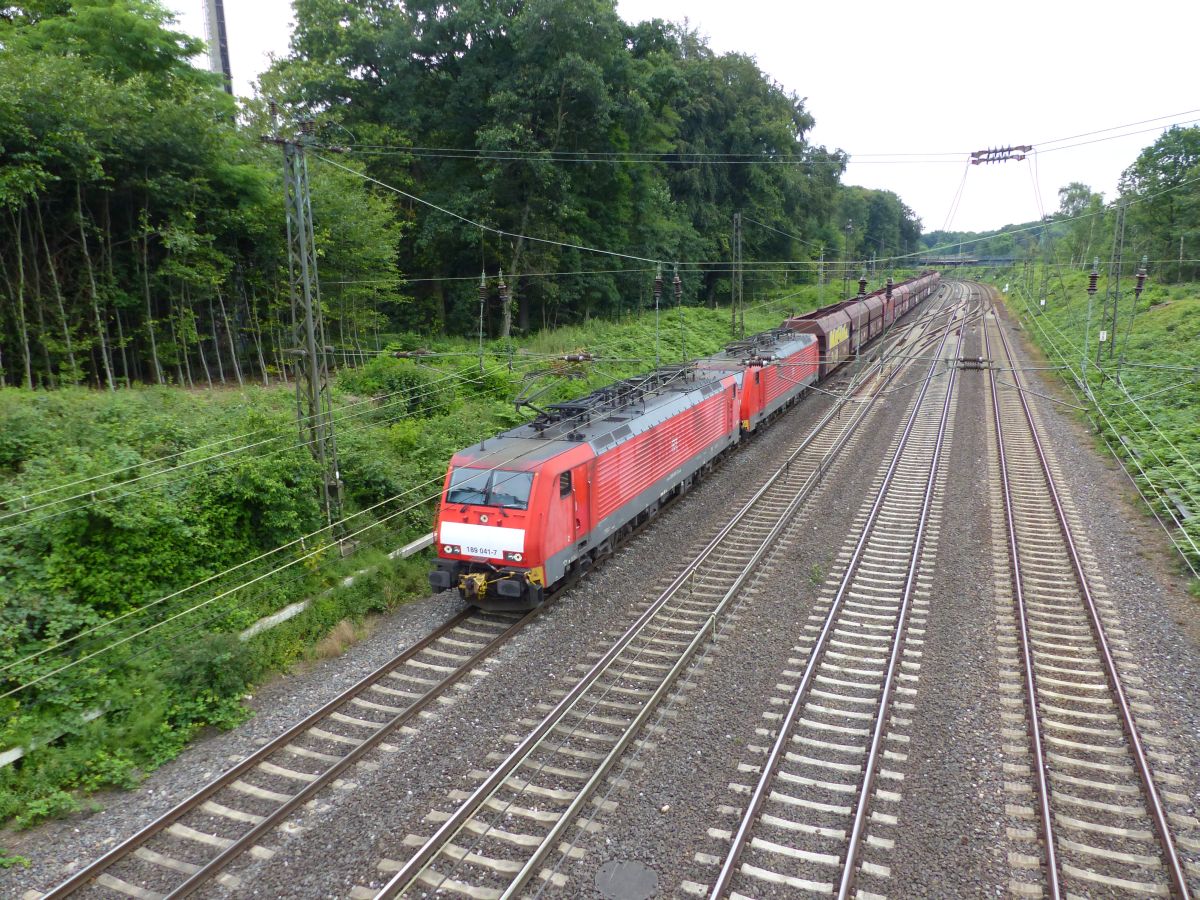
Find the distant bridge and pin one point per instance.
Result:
(949, 262)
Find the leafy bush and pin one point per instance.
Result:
(401, 387)
(1152, 413)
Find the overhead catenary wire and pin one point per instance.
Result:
(954, 202)
(1030, 164)
(892, 258)
(1077, 373)
(1076, 388)
(1027, 228)
(308, 554)
(1176, 115)
(1027, 390)
(401, 280)
(746, 218)
(107, 623)
(154, 627)
(1083, 391)
(226, 571)
(402, 396)
(1119, 136)
(167, 649)
(497, 231)
(693, 157)
(209, 473)
(105, 492)
(681, 158)
(146, 607)
(1129, 399)
(23, 498)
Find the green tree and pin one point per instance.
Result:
(141, 229)
(1165, 182)
(1081, 210)
(559, 120)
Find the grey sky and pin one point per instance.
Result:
(938, 77)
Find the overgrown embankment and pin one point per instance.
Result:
(142, 531)
(1144, 379)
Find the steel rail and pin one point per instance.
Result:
(758, 797)
(189, 804)
(407, 875)
(1045, 815)
(863, 803)
(94, 869)
(1141, 762)
(702, 635)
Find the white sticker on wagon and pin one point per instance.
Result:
(483, 540)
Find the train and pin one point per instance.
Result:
(524, 511)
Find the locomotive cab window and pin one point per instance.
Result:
(485, 487)
(564, 484)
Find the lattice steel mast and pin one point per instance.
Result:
(1112, 288)
(314, 403)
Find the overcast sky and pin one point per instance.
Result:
(884, 79)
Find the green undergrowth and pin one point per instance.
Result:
(113, 504)
(1146, 384)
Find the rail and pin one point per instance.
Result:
(741, 837)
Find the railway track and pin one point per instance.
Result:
(805, 821)
(198, 839)
(1100, 813)
(497, 840)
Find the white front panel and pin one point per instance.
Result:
(483, 540)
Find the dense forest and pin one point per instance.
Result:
(141, 214)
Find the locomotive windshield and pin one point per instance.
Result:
(490, 487)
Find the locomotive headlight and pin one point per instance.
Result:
(510, 556)
(450, 548)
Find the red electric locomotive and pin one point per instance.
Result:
(778, 364)
(522, 511)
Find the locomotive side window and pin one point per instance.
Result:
(484, 487)
(564, 484)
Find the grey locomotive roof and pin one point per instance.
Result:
(603, 419)
(775, 344)
(507, 452)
